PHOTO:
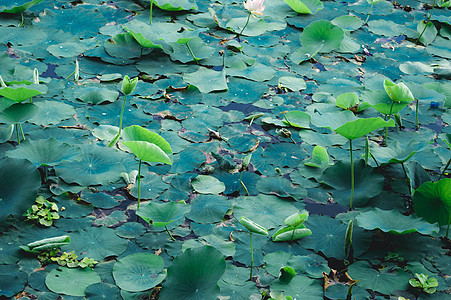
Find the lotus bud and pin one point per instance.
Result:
(127, 86)
(35, 76)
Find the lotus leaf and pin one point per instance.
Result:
(432, 201)
(281, 187)
(393, 222)
(227, 248)
(322, 33)
(48, 152)
(368, 182)
(205, 184)
(139, 272)
(205, 266)
(252, 226)
(20, 93)
(398, 92)
(162, 214)
(52, 112)
(208, 208)
(349, 23)
(13, 280)
(298, 119)
(97, 291)
(305, 6)
(397, 153)
(20, 6)
(319, 158)
(381, 102)
(207, 80)
(292, 83)
(18, 113)
(71, 281)
(384, 281)
(300, 286)
(256, 26)
(20, 181)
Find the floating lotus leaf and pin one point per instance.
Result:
(163, 214)
(349, 23)
(208, 208)
(397, 152)
(205, 266)
(281, 187)
(6, 133)
(347, 100)
(428, 32)
(147, 145)
(52, 112)
(18, 6)
(368, 182)
(305, 6)
(193, 50)
(21, 92)
(205, 184)
(256, 26)
(18, 113)
(95, 94)
(13, 280)
(175, 5)
(48, 152)
(99, 290)
(227, 248)
(299, 286)
(97, 165)
(432, 201)
(297, 118)
(393, 222)
(96, 243)
(384, 281)
(139, 272)
(322, 33)
(71, 281)
(207, 80)
(20, 182)
(292, 83)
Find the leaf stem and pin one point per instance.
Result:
(352, 175)
(150, 11)
(21, 131)
(139, 183)
(118, 135)
(247, 22)
(170, 235)
(252, 255)
(17, 132)
(369, 14)
(192, 54)
(447, 228)
(444, 170)
(416, 113)
(405, 173)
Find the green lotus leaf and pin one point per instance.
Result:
(358, 128)
(384, 281)
(432, 201)
(347, 100)
(208, 208)
(205, 184)
(368, 182)
(256, 26)
(98, 291)
(20, 181)
(124, 46)
(48, 152)
(175, 5)
(292, 83)
(52, 113)
(398, 92)
(205, 266)
(428, 32)
(147, 145)
(139, 272)
(207, 80)
(6, 133)
(96, 243)
(162, 214)
(394, 222)
(68, 49)
(97, 165)
(184, 52)
(13, 280)
(227, 248)
(380, 101)
(319, 158)
(297, 118)
(299, 286)
(71, 281)
(297, 219)
(323, 33)
(281, 187)
(305, 6)
(397, 152)
(349, 23)
(96, 94)
(18, 6)
(290, 233)
(21, 92)
(252, 226)
(18, 113)
(312, 265)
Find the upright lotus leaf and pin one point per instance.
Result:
(322, 33)
(71, 281)
(398, 92)
(297, 219)
(392, 221)
(286, 274)
(95, 94)
(360, 127)
(333, 120)
(139, 272)
(319, 158)
(252, 226)
(206, 184)
(48, 152)
(305, 6)
(18, 189)
(6, 133)
(347, 100)
(18, 6)
(369, 182)
(432, 201)
(147, 145)
(164, 213)
(194, 275)
(297, 118)
(290, 233)
(18, 113)
(397, 152)
(207, 80)
(22, 92)
(380, 101)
